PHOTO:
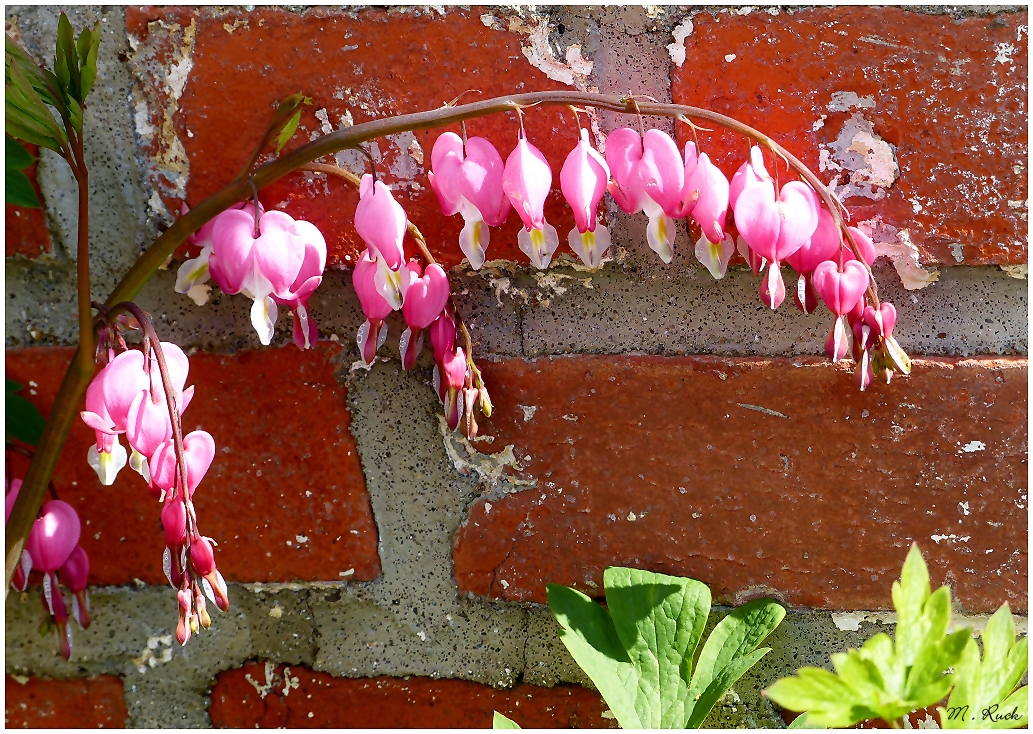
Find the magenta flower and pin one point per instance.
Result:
(823, 245)
(583, 180)
(53, 536)
(842, 291)
(443, 335)
(373, 332)
(707, 189)
(307, 280)
(198, 454)
(381, 223)
(648, 175)
(527, 180)
(425, 298)
(202, 557)
(75, 573)
(197, 271)
(469, 182)
(449, 379)
(753, 171)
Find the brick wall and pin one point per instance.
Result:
(383, 573)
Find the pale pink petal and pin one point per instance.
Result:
(527, 180)
(480, 181)
(623, 154)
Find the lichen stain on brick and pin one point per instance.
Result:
(947, 97)
(356, 66)
(751, 474)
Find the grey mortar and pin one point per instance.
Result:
(418, 497)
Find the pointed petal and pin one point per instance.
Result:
(473, 241)
(660, 234)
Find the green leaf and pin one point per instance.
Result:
(738, 634)
(826, 698)
(19, 125)
(288, 130)
(82, 46)
(12, 386)
(587, 632)
(19, 191)
(719, 684)
(909, 598)
(23, 421)
(75, 114)
(659, 620)
(89, 69)
(933, 661)
(23, 100)
(66, 59)
(803, 722)
(498, 721)
(17, 156)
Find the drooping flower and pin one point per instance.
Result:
(449, 378)
(198, 454)
(373, 333)
(196, 271)
(470, 183)
(425, 298)
(75, 572)
(583, 180)
(775, 228)
(309, 276)
(821, 246)
(381, 223)
(526, 180)
(841, 291)
(705, 197)
(202, 557)
(648, 175)
(259, 266)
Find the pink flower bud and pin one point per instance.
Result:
(707, 189)
(75, 573)
(425, 297)
(527, 180)
(53, 536)
(202, 556)
(443, 335)
(174, 523)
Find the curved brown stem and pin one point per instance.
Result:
(73, 388)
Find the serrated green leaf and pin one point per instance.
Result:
(288, 130)
(18, 190)
(879, 650)
(909, 597)
(828, 700)
(720, 683)
(738, 634)
(933, 660)
(23, 421)
(859, 672)
(498, 721)
(587, 631)
(16, 156)
(659, 620)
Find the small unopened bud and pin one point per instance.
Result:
(202, 557)
(174, 522)
(484, 401)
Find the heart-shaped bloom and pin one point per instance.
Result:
(583, 180)
(705, 194)
(260, 267)
(776, 228)
(381, 223)
(752, 171)
(527, 180)
(202, 558)
(841, 290)
(198, 454)
(309, 276)
(648, 175)
(470, 182)
(443, 335)
(425, 298)
(823, 245)
(53, 536)
(75, 573)
(373, 332)
(196, 271)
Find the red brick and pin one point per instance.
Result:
(673, 465)
(320, 700)
(286, 466)
(955, 112)
(373, 63)
(25, 230)
(77, 703)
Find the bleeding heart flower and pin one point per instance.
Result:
(53, 536)
(425, 298)
(772, 287)
(381, 222)
(470, 183)
(75, 573)
(309, 276)
(373, 332)
(714, 256)
(449, 378)
(583, 180)
(864, 244)
(527, 180)
(841, 290)
(775, 229)
(195, 272)
(202, 558)
(443, 335)
(753, 171)
(706, 192)
(198, 454)
(823, 245)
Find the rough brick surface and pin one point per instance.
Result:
(25, 230)
(285, 497)
(948, 94)
(368, 65)
(757, 476)
(318, 700)
(78, 703)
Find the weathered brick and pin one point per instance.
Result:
(367, 64)
(76, 703)
(948, 94)
(756, 476)
(25, 230)
(285, 497)
(319, 700)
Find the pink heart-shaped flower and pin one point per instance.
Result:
(425, 297)
(53, 536)
(841, 291)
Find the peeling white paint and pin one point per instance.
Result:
(902, 252)
(851, 621)
(845, 101)
(539, 53)
(489, 468)
(677, 49)
(973, 446)
(529, 411)
(951, 537)
(868, 160)
(1004, 53)
(1020, 272)
(324, 121)
(150, 657)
